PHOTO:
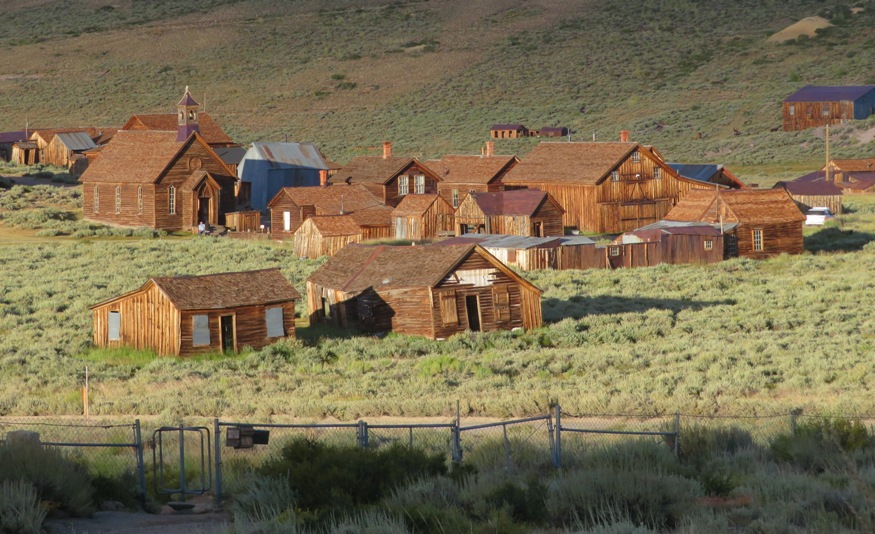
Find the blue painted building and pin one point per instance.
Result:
(268, 167)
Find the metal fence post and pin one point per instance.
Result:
(557, 459)
(794, 413)
(551, 439)
(677, 435)
(218, 466)
(457, 437)
(507, 459)
(141, 464)
(363, 435)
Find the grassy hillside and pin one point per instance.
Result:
(434, 75)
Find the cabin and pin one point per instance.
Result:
(525, 212)
(187, 315)
(809, 194)
(7, 139)
(325, 235)
(430, 291)
(67, 147)
(462, 174)
(552, 131)
(508, 131)
(375, 222)
(170, 180)
(668, 242)
(603, 187)
(25, 153)
(269, 167)
(708, 173)
(534, 253)
(291, 206)
(767, 221)
(421, 217)
(814, 106)
(389, 178)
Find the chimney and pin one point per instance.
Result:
(490, 149)
(387, 149)
(624, 136)
(323, 177)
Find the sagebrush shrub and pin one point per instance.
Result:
(21, 511)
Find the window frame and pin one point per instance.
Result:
(118, 199)
(615, 176)
(614, 250)
(403, 185)
(709, 244)
(114, 322)
(139, 200)
(757, 237)
(270, 324)
(419, 184)
(657, 173)
(455, 198)
(171, 200)
(636, 156)
(203, 330)
(792, 110)
(96, 198)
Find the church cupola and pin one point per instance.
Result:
(187, 121)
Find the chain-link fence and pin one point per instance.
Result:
(508, 444)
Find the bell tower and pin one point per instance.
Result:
(186, 114)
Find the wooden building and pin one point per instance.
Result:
(389, 178)
(767, 221)
(207, 127)
(809, 194)
(145, 178)
(534, 253)
(603, 187)
(668, 242)
(7, 139)
(428, 291)
(50, 152)
(552, 131)
(845, 172)
(814, 106)
(462, 174)
(186, 315)
(292, 205)
(269, 167)
(525, 212)
(708, 173)
(420, 217)
(508, 131)
(24, 153)
(66, 147)
(325, 235)
(374, 222)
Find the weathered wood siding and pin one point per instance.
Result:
(804, 115)
(148, 320)
(445, 190)
(806, 202)
(129, 213)
(250, 328)
(676, 249)
(376, 232)
(56, 153)
(390, 194)
(777, 239)
(438, 219)
(310, 243)
(277, 225)
(243, 221)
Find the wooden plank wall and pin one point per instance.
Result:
(309, 243)
(810, 114)
(806, 202)
(148, 320)
(276, 216)
(249, 323)
(244, 221)
(129, 214)
(777, 239)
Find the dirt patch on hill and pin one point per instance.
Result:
(866, 136)
(807, 26)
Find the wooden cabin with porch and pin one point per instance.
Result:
(421, 217)
(187, 315)
(389, 178)
(291, 206)
(325, 235)
(603, 187)
(766, 222)
(524, 212)
(427, 291)
(461, 174)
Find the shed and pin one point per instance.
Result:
(186, 315)
(65, 146)
(325, 235)
(669, 242)
(768, 221)
(7, 139)
(526, 212)
(269, 167)
(422, 217)
(817, 193)
(533, 253)
(553, 131)
(815, 105)
(428, 291)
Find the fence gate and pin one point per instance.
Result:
(182, 463)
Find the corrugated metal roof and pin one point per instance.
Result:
(700, 172)
(285, 155)
(819, 93)
(76, 140)
(517, 242)
(659, 225)
(231, 155)
(13, 137)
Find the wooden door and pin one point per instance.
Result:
(472, 305)
(229, 342)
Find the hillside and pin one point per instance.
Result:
(434, 75)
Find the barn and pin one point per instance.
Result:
(814, 193)
(463, 174)
(269, 167)
(427, 291)
(422, 217)
(815, 105)
(534, 253)
(325, 235)
(668, 242)
(603, 187)
(767, 221)
(186, 315)
(292, 205)
(387, 177)
(525, 212)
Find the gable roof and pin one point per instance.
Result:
(748, 206)
(77, 141)
(471, 169)
(288, 155)
(851, 165)
(47, 134)
(416, 205)
(334, 199)
(508, 127)
(374, 216)
(580, 163)
(820, 93)
(524, 202)
(219, 291)
(333, 225)
(653, 234)
(356, 268)
(375, 169)
(209, 129)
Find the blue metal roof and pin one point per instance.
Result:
(698, 172)
(819, 93)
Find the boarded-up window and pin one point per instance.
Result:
(274, 319)
(449, 313)
(502, 304)
(200, 330)
(115, 326)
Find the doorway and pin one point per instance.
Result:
(538, 230)
(227, 327)
(472, 305)
(203, 210)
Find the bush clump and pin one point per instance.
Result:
(20, 509)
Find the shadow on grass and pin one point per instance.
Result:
(577, 307)
(834, 239)
(311, 334)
